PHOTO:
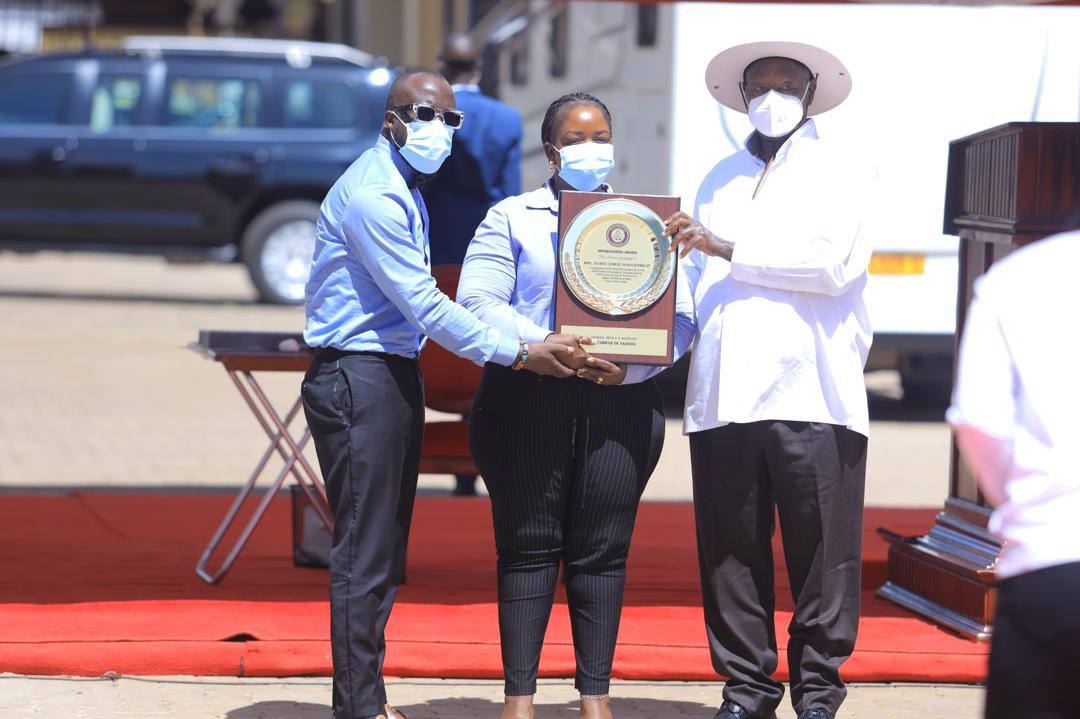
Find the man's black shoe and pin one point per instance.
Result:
(815, 714)
(731, 710)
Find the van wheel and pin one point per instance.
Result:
(277, 248)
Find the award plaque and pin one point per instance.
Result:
(616, 279)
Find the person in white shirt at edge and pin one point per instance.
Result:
(776, 407)
(1014, 415)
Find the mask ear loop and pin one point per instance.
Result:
(403, 124)
(551, 163)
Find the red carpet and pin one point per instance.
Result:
(91, 583)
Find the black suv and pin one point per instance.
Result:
(191, 148)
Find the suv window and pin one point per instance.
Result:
(33, 99)
(220, 103)
(114, 102)
(311, 103)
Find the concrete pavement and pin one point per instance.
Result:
(223, 698)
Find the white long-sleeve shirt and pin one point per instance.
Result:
(783, 332)
(1016, 406)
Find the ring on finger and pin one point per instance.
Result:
(600, 380)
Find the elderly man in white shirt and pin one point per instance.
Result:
(1014, 414)
(776, 406)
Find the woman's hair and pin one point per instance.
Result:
(547, 129)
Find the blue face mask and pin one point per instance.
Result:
(427, 145)
(586, 165)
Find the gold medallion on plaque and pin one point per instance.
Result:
(614, 257)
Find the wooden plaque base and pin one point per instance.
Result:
(947, 575)
(572, 314)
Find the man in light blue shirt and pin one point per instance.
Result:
(371, 304)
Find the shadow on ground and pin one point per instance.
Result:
(280, 710)
(460, 708)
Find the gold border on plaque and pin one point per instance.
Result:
(631, 216)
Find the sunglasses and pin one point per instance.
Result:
(426, 113)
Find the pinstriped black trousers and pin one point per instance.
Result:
(565, 463)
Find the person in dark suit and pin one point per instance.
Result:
(484, 167)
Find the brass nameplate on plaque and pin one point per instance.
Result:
(623, 341)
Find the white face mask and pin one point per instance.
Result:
(586, 165)
(427, 144)
(775, 114)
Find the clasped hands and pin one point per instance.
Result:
(564, 355)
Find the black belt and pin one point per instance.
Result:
(333, 354)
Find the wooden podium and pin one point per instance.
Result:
(1006, 187)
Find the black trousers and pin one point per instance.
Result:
(812, 475)
(1035, 655)
(366, 414)
(565, 463)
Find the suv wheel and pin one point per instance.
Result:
(277, 248)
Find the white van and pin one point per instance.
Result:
(923, 75)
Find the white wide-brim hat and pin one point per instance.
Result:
(725, 72)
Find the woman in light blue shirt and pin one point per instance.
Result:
(565, 461)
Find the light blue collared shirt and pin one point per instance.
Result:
(371, 288)
(508, 277)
